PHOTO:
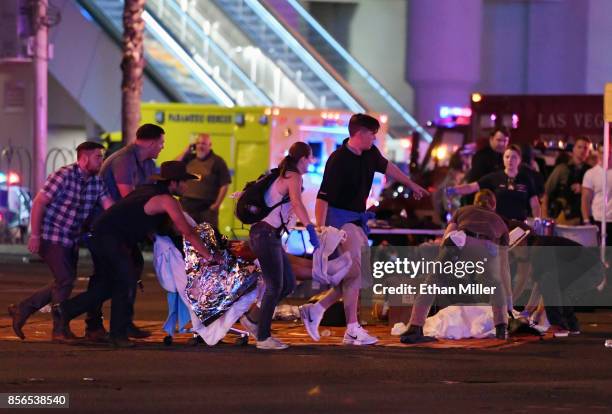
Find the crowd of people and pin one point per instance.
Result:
(571, 194)
(130, 201)
(525, 188)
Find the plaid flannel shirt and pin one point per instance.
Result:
(73, 196)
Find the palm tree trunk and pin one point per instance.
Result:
(132, 66)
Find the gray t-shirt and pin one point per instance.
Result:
(124, 167)
(213, 173)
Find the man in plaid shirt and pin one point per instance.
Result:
(58, 213)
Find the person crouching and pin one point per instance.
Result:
(485, 233)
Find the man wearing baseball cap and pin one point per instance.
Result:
(116, 233)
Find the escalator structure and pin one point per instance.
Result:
(377, 98)
(181, 72)
(242, 53)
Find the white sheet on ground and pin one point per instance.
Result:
(459, 322)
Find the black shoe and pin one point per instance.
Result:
(63, 329)
(96, 335)
(64, 337)
(69, 334)
(135, 332)
(573, 326)
(121, 342)
(168, 340)
(195, 340)
(501, 331)
(60, 322)
(18, 320)
(414, 335)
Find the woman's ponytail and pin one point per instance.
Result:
(296, 152)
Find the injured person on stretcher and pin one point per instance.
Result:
(214, 295)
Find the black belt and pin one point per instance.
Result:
(477, 235)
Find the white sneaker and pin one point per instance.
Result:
(311, 322)
(250, 327)
(558, 331)
(358, 336)
(271, 343)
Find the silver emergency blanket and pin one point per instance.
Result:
(212, 287)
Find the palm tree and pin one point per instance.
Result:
(132, 66)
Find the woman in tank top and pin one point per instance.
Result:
(265, 239)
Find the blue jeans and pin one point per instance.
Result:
(276, 270)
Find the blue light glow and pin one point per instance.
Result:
(448, 111)
(86, 14)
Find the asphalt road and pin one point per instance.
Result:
(562, 375)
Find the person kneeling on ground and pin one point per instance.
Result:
(484, 231)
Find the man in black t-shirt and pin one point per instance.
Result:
(341, 203)
(488, 159)
(349, 181)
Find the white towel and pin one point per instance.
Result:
(325, 271)
(458, 237)
(168, 263)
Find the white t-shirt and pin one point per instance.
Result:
(593, 179)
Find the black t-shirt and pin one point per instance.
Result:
(126, 220)
(512, 195)
(348, 177)
(536, 177)
(484, 162)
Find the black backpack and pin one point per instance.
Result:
(251, 206)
